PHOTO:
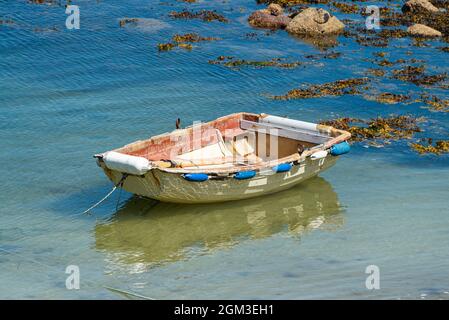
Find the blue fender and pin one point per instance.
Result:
(283, 167)
(196, 177)
(340, 148)
(244, 175)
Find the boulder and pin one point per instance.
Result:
(275, 9)
(419, 6)
(271, 18)
(313, 21)
(423, 31)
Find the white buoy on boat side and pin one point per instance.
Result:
(126, 163)
(319, 155)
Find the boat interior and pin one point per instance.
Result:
(241, 138)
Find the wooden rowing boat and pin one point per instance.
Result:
(238, 156)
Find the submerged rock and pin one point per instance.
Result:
(272, 17)
(313, 21)
(419, 6)
(423, 31)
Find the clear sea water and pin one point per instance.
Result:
(67, 94)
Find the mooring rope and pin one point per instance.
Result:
(119, 184)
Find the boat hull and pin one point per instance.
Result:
(172, 187)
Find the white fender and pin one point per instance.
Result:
(319, 155)
(126, 163)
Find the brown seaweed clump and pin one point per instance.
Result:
(440, 146)
(345, 7)
(393, 128)
(6, 22)
(292, 3)
(376, 72)
(416, 75)
(192, 37)
(124, 21)
(166, 46)
(391, 98)
(235, 63)
(337, 88)
(47, 2)
(436, 104)
(326, 55)
(205, 15)
(184, 41)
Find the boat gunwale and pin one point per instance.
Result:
(339, 136)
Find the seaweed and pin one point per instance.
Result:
(393, 33)
(183, 41)
(327, 55)
(376, 72)
(205, 15)
(337, 88)
(391, 98)
(235, 63)
(166, 46)
(124, 21)
(7, 22)
(436, 104)
(291, 3)
(417, 76)
(440, 146)
(372, 41)
(191, 37)
(392, 128)
(47, 2)
(346, 8)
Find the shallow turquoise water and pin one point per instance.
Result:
(66, 95)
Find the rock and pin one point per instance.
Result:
(422, 30)
(266, 19)
(275, 9)
(419, 6)
(313, 21)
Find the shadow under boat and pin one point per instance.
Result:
(146, 232)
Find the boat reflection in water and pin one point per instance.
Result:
(145, 233)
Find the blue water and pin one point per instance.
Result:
(68, 94)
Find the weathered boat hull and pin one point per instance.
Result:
(172, 187)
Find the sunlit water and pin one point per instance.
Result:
(65, 95)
